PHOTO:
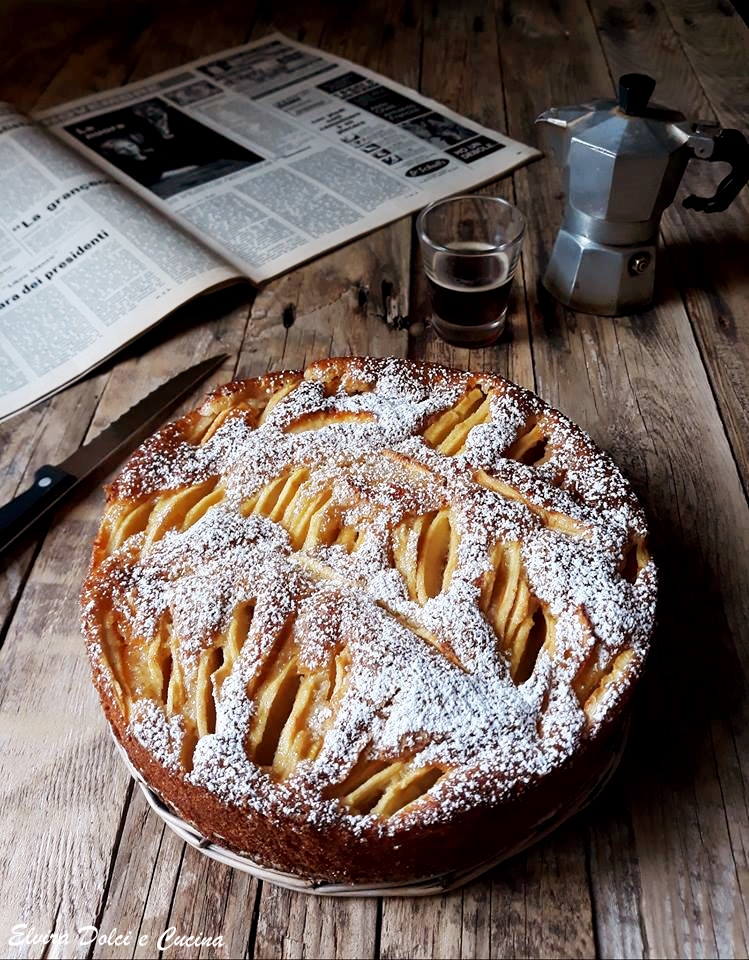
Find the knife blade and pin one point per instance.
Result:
(53, 482)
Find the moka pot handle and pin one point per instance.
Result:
(730, 146)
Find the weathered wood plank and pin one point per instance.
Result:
(614, 863)
(609, 375)
(540, 901)
(55, 756)
(715, 41)
(700, 73)
(155, 900)
(461, 67)
(36, 41)
(329, 308)
(421, 928)
(697, 51)
(143, 840)
(179, 33)
(209, 900)
(101, 57)
(294, 925)
(45, 679)
(161, 893)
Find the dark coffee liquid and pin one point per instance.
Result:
(470, 294)
(468, 306)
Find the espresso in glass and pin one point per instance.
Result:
(470, 293)
(470, 246)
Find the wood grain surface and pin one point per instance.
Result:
(658, 865)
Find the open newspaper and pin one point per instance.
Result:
(117, 208)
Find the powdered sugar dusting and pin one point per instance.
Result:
(427, 678)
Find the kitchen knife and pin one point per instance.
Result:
(52, 483)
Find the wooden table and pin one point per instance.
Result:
(658, 866)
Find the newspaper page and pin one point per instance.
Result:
(84, 266)
(275, 152)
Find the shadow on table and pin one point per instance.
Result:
(689, 710)
(208, 308)
(710, 267)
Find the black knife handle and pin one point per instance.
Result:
(50, 484)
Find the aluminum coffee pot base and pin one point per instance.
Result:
(598, 278)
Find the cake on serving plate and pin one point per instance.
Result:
(378, 621)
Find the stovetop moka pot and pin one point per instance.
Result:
(623, 162)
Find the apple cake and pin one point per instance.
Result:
(375, 621)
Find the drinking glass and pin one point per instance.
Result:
(470, 247)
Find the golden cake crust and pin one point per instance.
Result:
(371, 622)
